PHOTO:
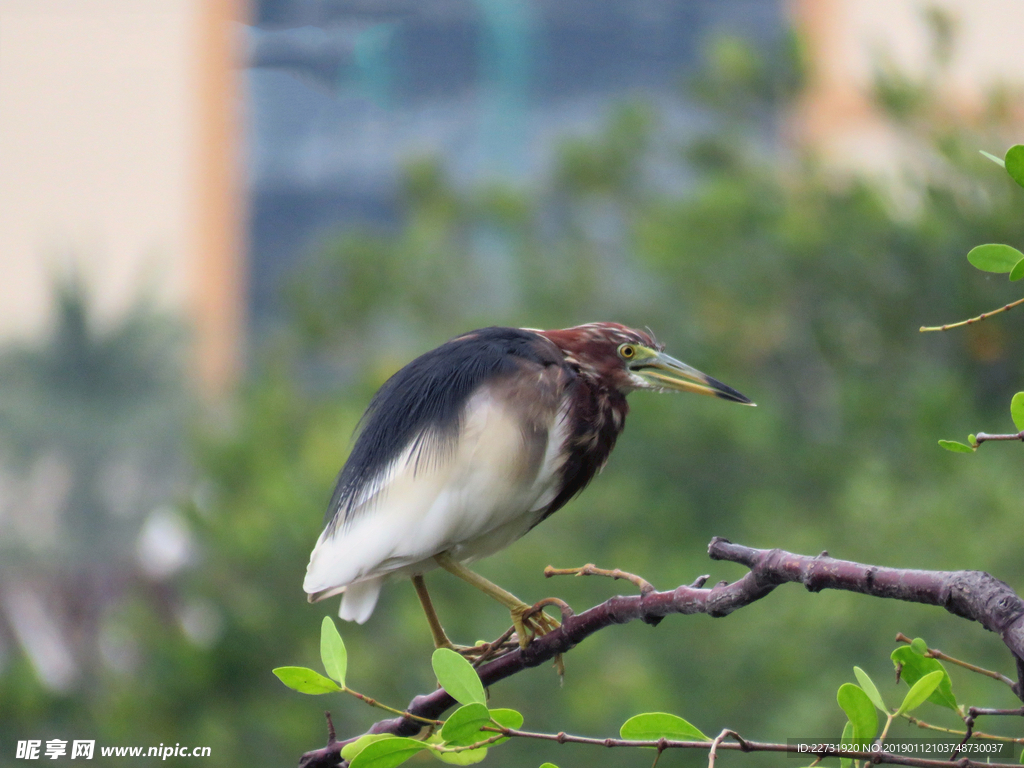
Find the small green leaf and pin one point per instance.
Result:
(997, 160)
(919, 646)
(305, 680)
(652, 726)
(506, 718)
(1017, 410)
(845, 762)
(463, 726)
(921, 691)
(859, 708)
(994, 257)
(1017, 272)
(332, 651)
(1015, 163)
(350, 750)
(387, 753)
(916, 667)
(457, 677)
(549, 765)
(870, 689)
(972, 440)
(462, 757)
(955, 447)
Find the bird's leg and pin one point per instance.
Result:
(479, 653)
(524, 618)
(436, 630)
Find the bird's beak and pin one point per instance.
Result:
(661, 370)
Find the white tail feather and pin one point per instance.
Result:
(359, 600)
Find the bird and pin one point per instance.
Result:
(469, 446)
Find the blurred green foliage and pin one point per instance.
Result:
(752, 262)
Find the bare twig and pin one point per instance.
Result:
(971, 321)
(935, 653)
(978, 711)
(983, 437)
(969, 594)
(965, 735)
(713, 752)
(590, 569)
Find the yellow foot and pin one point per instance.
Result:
(530, 621)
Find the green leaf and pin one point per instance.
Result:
(305, 680)
(457, 677)
(652, 726)
(870, 689)
(920, 692)
(845, 762)
(916, 667)
(994, 257)
(1017, 410)
(387, 753)
(1017, 272)
(463, 757)
(549, 765)
(352, 749)
(507, 718)
(972, 440)
(919, 646)
(463, 726)
(332, 651)
(1014, 163)
(861, 710)
(955, 447)
(997, 160)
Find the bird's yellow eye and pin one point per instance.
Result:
(627, 351)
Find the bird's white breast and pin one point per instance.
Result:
(470, 498)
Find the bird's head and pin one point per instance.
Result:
(627, 359)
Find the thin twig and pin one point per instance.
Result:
(935, 653)
(713, 752)
(971, 321)
(590, 569)
(744, 745)
(954, 732)
(331, 734)
(983, 437)
(976, 711)
(392, 710)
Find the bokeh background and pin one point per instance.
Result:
(224, 224)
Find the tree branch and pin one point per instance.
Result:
(973, 595)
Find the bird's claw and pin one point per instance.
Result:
(530, 621)
(483, 652)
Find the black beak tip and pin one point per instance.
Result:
(725, 392)
(735, 397)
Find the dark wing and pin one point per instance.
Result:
(423, 404)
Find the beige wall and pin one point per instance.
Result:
(117, 156)
(845, 39)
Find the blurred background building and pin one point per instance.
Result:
(168, 169)
(192, 151)
(121, 134)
